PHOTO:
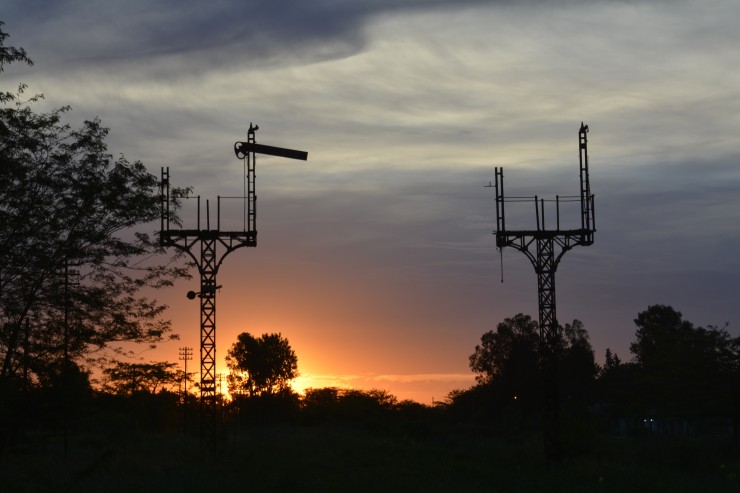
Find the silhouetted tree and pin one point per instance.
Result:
(508, 361)
(509, 353)
(8, 55)
(611, 362)
(616, 386)
(263, 365)
(355, 402)
(66, 204)
(578, 368)
(148, 378)
(660, 331)
(320, 404)
(348, 405)
(679, 372)
(684, 370)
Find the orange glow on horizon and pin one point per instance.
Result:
(422, 388)
(345, 334)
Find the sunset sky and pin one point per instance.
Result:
(376, 257)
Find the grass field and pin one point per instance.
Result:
(357, 459)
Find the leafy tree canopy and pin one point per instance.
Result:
(659, 328)
(69, 249)
(260, 365)
(509, 358)
(148, 378)
(349, 404)
(8, 55)
(683, 368)
(578, 366)
(512, 347)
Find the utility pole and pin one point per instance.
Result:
(208, 248)
(186, 353)
(545, 248)
(220, 386)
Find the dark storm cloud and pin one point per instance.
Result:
(138, 30)
(248, 33)
(70, 33)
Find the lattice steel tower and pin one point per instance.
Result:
(545, 248)
(208, 247)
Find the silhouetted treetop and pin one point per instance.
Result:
(512, 348)
(150, 378)
(658, 328)
(682, 368)
(508, 363)
(8, 55)
(260, 365)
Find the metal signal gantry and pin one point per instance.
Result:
(545, 248)
(208, 247)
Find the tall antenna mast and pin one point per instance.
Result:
(208, 247)
(545, 248)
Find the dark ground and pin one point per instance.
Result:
(334, 457)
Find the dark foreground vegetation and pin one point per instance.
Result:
(665, 421)
(360, 441)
